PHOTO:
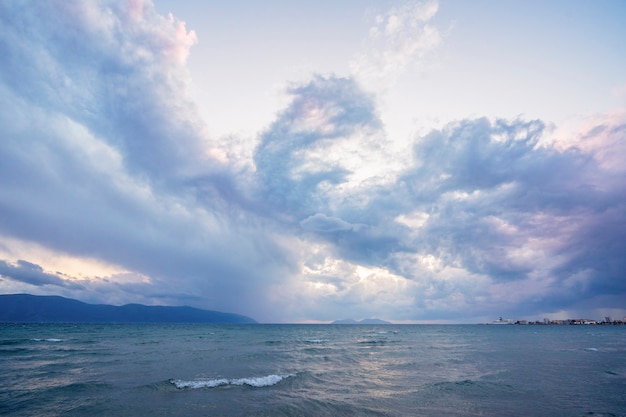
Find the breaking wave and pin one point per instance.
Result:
(317, 341)
(263, 381)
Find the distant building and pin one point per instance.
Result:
(583, 321)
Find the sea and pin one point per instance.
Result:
(311, 370)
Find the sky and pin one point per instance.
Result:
(301, 162)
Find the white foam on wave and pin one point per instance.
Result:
(47, 340)
(317, 341)
(263, 381)
(591, 349)
(199, 383)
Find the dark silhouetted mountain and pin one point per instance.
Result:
(364, 321)
(34, 308)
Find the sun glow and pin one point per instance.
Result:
(64, 265)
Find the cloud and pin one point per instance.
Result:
(398, 39)
(103, 157)
(600, 136)
(485, 218)
(114, 68)
(320, 222)
(325, 137)
(104, 161)
(500, 206)
(33, 274)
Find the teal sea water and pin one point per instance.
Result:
(311, 370)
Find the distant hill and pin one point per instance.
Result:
(34, 308)
(364, 321)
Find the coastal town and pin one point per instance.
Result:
(609, 321)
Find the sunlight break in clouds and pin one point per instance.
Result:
(113, 191)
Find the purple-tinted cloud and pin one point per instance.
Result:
(104, 157)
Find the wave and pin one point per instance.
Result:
(12, 342)
(468, 387)
(47, 340)
(373, 342)
(13, 351)
(317, 341)
(257, 382)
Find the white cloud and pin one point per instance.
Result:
(398, 39)
(320, 222)
(415, 220)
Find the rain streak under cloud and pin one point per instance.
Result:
(115, 190)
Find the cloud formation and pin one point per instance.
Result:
(320, 222)
(114, 68)
(397, 39)
(32, 274)
(104, 158)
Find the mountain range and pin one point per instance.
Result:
(26, 308)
